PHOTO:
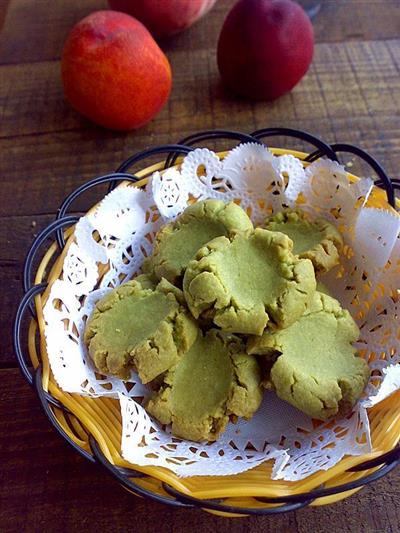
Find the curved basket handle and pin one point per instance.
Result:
(39, 240)
(114, 177)
(209, 135)
(323, 147)
(44, 400)
(372, 162)
(27, 372)
(140, 156)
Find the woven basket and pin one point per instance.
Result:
(93, 426)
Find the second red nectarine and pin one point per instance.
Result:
(265, 47)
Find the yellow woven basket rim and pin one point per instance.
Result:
(101, 417)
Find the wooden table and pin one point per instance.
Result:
(351, 94)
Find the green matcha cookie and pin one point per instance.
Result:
(177, 243)
(313, 363)
(215, 379)
(318, 240)
(249, 280)
(139, 328)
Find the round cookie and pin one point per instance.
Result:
(248, 281)
(213, 381)
(313, 364)
(318, 240)
(139, 328)
(177, 243)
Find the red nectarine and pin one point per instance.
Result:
(164, 17)
(113, 71)
(265, 47)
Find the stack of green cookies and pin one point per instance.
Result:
(224, 310)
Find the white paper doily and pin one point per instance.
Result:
(117, 236)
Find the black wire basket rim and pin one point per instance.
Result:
(388, 460)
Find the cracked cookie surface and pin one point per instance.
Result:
(177, 242)
(312, 363)
(317, 240)
(139, 327)
(214, 380)
(248, 281)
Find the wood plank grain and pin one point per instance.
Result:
(3, 12)
(352, 93)
(345, 79)
(45, 162)
(16, 235)
(36, 31)
(48, 487)
(356, 78)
